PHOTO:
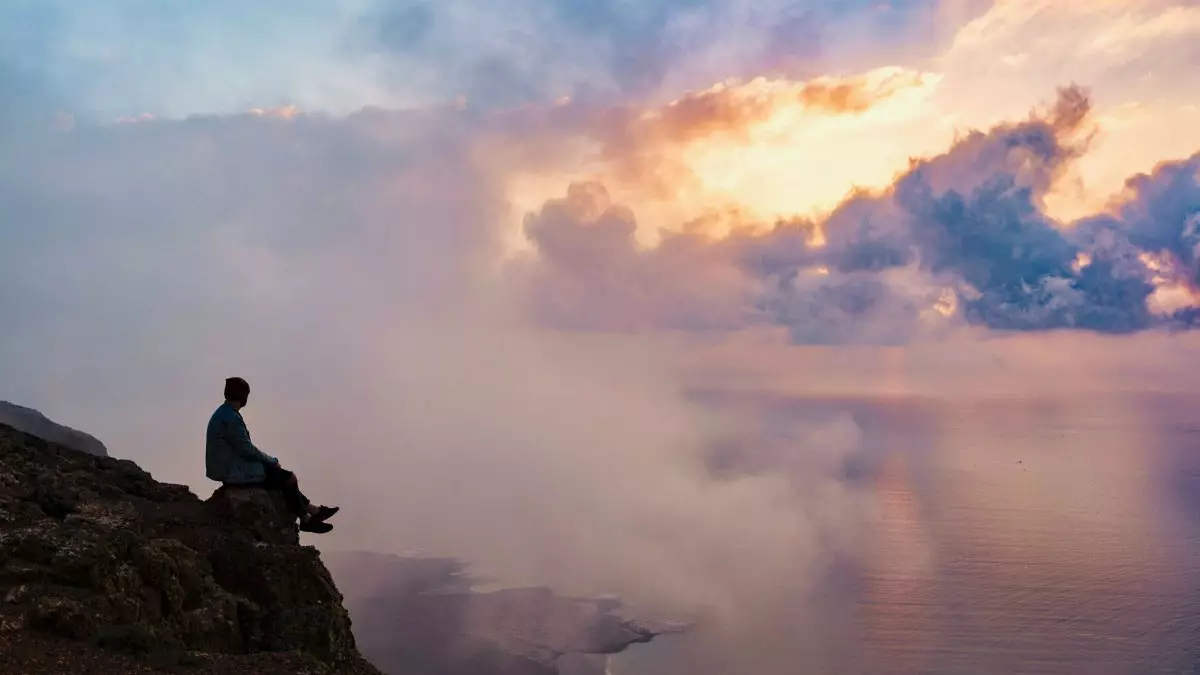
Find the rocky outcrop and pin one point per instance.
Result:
(35, 423)
(258, 513)
(105, 570)
(420, 616)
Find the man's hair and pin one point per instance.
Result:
(236, 389)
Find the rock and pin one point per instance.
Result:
(101, 564)
(35, 423)
(261, 513)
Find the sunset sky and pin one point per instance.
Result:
(476, 258)
(209, 185)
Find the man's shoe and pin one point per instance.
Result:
(324, 513)
(311, 525)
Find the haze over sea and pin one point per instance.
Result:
(1012, 534)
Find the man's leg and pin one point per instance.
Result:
(285, 481)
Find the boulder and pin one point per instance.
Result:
(263, 514)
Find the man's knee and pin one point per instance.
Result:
(280, 477)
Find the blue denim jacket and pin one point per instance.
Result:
(229, 456)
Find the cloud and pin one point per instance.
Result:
(1138, 55)
(1162, 212)
(961, 238)
(718, 155)
(591, 274)
(126, 58)
(730, 108)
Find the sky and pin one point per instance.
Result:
(476, 258)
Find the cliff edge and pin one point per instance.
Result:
(105, 570)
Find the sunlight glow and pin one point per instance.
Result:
(1170, 295)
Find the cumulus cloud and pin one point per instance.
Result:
(961, 238)
(591, 273)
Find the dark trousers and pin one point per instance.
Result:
(285, 481)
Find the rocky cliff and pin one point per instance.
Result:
(105, 570)
(36, 424)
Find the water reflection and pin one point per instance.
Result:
(1051, 554)
(901, 573)
(1041, 536)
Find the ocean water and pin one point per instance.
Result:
(1035, 535)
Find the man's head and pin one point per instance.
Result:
(237, 392)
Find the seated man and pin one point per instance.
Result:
(231, 458)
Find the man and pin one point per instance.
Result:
(231, 458)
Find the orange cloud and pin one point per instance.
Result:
(739, 147)
(752, 152)
(283, 112)
(733, 107)
(855, 94)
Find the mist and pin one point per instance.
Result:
(390, 370)
(557, 384)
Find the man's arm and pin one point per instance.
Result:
(239, 439)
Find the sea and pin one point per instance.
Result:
(1037, 535)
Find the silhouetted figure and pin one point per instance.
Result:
(231, 458)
